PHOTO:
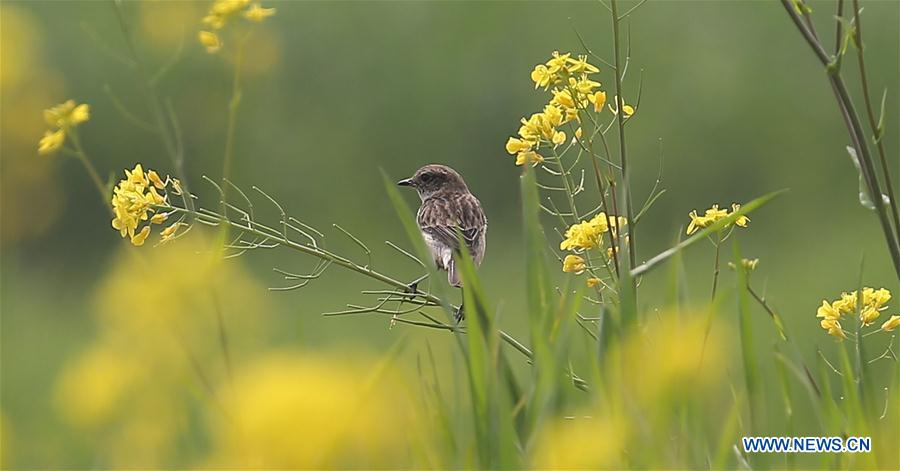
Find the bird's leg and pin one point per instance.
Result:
(460, 313)
(413, 287)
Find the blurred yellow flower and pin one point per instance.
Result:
(62, 117)
(747, 264)
(573, 264)
(257, 13)
(529, 158)
(592, 282)
(583, 442)
(51, 142)
(312, 411)
(891, 324)
(559, 137)
(67, 114)
(210, 41)
(91, 389)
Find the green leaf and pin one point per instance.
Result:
(864, 199)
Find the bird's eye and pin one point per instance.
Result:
(427, 177)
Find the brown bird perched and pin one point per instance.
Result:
(447, 208)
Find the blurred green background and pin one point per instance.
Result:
(336, 92)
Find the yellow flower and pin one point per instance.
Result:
(159, 218)
(169, 232)
(562, 98)
(257, 14)
(541, 76)
(154, 178)
(870, 306)
(558, 62)
(598, 100)
(833, 327)
(558, 138)
(587, 234)
(712, 215)
(580, 65)
(828, 311)
(592, 282)
(138, 239)
(746, 264)
(628, 109)
(552, 116)
(51, 142)
(578, 133)
(891, 324)
(67, 114)
(529, 157)
(514, 146)
(574, 264)
(133, 201)
(584, 86)
(210, 41)
(741, 221)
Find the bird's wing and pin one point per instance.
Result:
(442, 216)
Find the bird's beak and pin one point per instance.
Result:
(405, 182)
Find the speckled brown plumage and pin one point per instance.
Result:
(448, 208)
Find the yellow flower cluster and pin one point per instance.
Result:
(223, 12)
(574, 264)
(712, 215)
(572, 91)
(870, 306)
(62, 118)
(588, 234)
(135, 199)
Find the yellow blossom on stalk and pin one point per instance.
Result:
(210, 41)
(592, 282)
(872, 302)
(257, 13)
(581, 66)
(891, 324)
(541, 76)
(587, 234)
(223, 12)
(51, 142)
(558, 138)
(598, 100)
(627, 110)
(833, 327)
(529, 157)
(574, 264)
(712, 215)
(741, 221)
(62, 117)
(134, 200)
(67, 114)
(514, 145)
(746, 264)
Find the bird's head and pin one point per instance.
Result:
(435, 178)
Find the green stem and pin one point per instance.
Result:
(848, 111)
(716, 270)
(89, 167)
(623, 154)
(873, 123)
(233, 106)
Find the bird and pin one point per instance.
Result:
(448, 208)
